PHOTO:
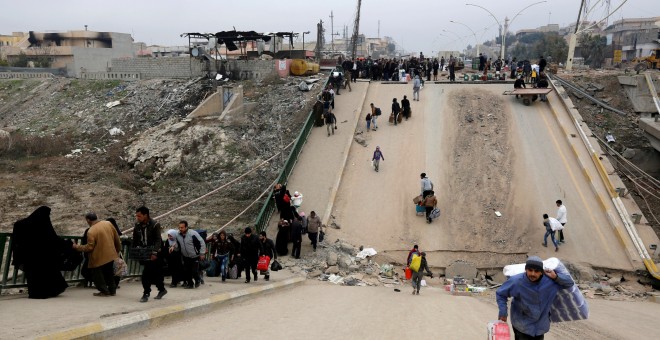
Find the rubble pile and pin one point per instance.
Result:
(124, 144)
(342, 263)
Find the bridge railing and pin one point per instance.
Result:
(13, 277)
(269, 205)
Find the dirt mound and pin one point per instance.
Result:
(483, 166)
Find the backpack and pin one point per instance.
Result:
(415, 263)
(378, 112)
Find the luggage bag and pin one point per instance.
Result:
(498, 330)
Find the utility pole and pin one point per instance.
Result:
(319, 39)
(572, 40)
(332, 31)
(356, 31)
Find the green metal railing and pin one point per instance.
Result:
(12, 277)
(269, 205)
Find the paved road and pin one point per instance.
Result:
(375, 210)
(324, 311)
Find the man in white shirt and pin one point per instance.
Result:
(427, 185)
(561, 217)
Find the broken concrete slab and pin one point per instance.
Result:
(332, 259)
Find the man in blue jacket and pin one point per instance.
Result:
(532, 293)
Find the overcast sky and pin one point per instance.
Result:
(415, 25)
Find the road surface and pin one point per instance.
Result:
(318, 310)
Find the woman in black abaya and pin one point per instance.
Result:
(37, 250)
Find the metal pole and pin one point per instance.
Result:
(471, 30)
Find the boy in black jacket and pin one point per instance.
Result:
(268, 249)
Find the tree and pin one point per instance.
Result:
(20, 61)
(391, 48)
(593, 49)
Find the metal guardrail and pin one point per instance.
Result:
(12, 277)
(269, 205)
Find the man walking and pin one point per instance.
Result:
(417, 84)
(330, 122)
(103, 246)
(561, 217)
(533, 293)
(375, 113)
(427, 185)
(418, 272)
(430, 203)
(146, 234)
(250, 250)
(396, 110)
(192, 247)
(268, 249)
(378, 155)
(313, 227)
(549, 231)
(405, 105)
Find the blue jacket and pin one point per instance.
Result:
(531, 301)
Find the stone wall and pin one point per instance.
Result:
(185, 67)
(251, 69)
(151, 68)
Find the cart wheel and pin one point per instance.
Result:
(526, 101)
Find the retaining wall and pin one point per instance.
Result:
(110, 75)
(150, 68)
(25, 75)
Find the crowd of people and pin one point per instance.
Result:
(391, 69)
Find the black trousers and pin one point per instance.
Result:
(104, 278)
(522, 336)
(428, 212)
(250, 266)
(314, 238)
(152, 274)
(191, 270)
(561, 234)
(297, 243)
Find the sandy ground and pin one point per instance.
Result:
(325, 311)
(485, 152)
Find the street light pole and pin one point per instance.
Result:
(504, 28)
(471, 30)
(506, 25)
(303, 47)
(498, 24)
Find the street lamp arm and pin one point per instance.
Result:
(536, 3)
(484, 8)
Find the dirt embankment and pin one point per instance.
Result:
(69, 150)
(630, 139)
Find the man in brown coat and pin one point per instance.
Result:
(103, 246)
(430, 203)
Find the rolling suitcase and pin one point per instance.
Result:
(498, 330)
(391, 118)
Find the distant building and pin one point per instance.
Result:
(636, 37)
(76, 51)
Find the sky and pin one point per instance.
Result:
(417, 26)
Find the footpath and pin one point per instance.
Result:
(320, 166)
(77, 314)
